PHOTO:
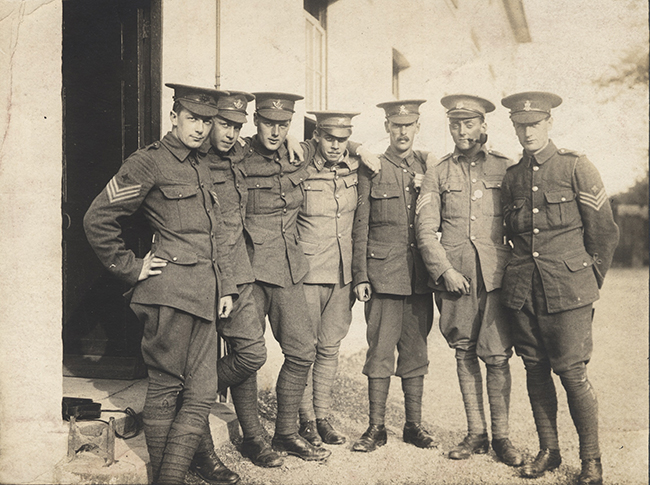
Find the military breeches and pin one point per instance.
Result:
(180, 351)
(398, 321)
(564, 339)
(330, 308)
(288, 315)
(244, 333)
(476, 320)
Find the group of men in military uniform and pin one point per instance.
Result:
(514, 254)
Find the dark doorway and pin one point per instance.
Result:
(111, 102)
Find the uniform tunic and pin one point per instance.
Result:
(175, 192)
(385, 254)
(560, 222)
(275, 195)
(461, 198)
(326, 218)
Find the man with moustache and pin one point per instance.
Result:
(180, 286)
(325, 230)
(243, 330)
(390, 277)
(275, 195)
(461, 199)
(559, 221)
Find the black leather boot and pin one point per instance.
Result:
(506, 452)
(415, 434)
(472, 444)
(592, 472)
(209, 467)
(298, 446)
(328, 433)
(310, 433)
(260, 453)
(546, 460)
(374, 437)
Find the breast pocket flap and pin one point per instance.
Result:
(351, 180)
(518, 203)
(559, 197)
(298, 177)
(492, 184)
(179, 191)
(452, 187)
(384, 191)
(259, 183)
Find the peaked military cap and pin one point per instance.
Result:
(465, 106)
(200, 101)
(276, 106)
(336, 123)
(404, 111)
(531, 106)
(233, 106)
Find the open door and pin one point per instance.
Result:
(111, 100)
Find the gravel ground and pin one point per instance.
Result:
(619, 372)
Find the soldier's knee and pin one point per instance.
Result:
(496, 360)
(468, 353)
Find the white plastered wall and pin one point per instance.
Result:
(32, 436)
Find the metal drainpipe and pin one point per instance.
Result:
(218, 47)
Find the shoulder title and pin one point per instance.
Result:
(155, 145)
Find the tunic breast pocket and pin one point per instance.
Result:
(259, 194)
(348, 195)
(452, 199)
(182, 206)
(562, 208)
(383, 198)
(314, 194)
(492, 198)
(517, 217)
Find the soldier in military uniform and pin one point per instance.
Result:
(390, 277)
(461, 198)
(560, 223)
(275, 195)
(325, 230)
(242, 330)
(180, 286)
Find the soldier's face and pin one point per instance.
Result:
(402, 135)
(533, 136)
(191, 129)
(331, 147)
(224, 134)
(271, 133)
(466, 132)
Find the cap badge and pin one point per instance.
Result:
(238, 104)
(403, 110)
(277, 104)
(203, 98)
(460, 105)
(527, 105)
